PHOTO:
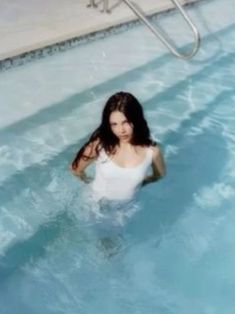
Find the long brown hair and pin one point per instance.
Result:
(132, 109)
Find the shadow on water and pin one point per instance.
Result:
(199, 162)
(34, 247)
(95, 233)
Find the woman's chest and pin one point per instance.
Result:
(128, 160)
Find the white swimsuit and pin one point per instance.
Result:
(114, 182)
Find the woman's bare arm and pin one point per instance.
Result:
(79, 171)
(158, 166)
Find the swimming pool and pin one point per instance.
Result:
(174, 250)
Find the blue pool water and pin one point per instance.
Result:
(171, 250)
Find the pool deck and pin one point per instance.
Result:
(28, 25)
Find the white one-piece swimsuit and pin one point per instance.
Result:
(114, 182)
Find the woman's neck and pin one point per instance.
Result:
(125, 145)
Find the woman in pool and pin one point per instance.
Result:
(122, 149)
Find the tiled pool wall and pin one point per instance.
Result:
(50, 50)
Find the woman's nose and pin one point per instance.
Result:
(122, 129)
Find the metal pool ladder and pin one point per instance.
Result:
(133, 6)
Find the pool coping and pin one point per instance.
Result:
(62, 43)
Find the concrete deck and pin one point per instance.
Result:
(28, 25)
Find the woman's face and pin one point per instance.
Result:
(120, 126)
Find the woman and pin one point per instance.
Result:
(123, 151)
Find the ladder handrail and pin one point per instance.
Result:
(159, 34)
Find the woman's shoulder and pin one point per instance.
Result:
(155, 149)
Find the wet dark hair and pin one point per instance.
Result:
(132, 109)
